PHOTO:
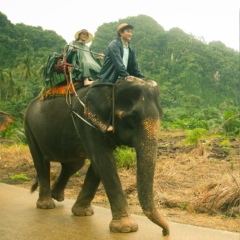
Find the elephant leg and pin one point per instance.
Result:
(42, 167)
(68, 169)
(82, 206)
(45, 200)
(121, 218)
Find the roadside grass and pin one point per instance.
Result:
(20, 177)
(194, 181)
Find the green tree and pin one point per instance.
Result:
(3, 76)
(25, 69)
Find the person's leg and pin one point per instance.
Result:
(86, 74)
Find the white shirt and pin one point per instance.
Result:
(125, 55)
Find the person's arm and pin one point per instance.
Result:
(70, 51)
(134, 68)
(98, 58)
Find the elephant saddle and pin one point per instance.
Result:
(60, 90)
(56, 70)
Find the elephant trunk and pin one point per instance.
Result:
(146, 158)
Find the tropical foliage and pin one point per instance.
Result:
(199, 82)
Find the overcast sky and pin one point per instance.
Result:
(213, 20)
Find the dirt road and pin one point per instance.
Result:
(19, 219)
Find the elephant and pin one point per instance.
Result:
(73, 128)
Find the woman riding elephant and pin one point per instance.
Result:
(86, 66)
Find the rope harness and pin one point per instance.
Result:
(69, 103)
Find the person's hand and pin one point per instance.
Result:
(75, 48)
(101, 55)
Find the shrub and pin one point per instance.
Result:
(21, 176)
(195, 135)
(125, 157)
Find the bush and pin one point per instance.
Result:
(125, 157)
(21, 176)
(195, 135)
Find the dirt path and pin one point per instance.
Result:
(184, 176)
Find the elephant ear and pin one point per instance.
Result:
(98, 105)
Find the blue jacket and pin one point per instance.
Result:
(113, 67)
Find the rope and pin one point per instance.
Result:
(68, 95)
(69, 102)
(83, 49)
(113, 108)
(85, 122)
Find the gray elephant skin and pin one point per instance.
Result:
(71, 131)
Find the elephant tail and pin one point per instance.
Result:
(35, 185)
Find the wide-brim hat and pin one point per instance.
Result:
(90, 36)
(124, 26)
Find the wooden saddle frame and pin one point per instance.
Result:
(62, 66)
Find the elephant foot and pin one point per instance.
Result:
(46, 203)
(82, 211)
(59, 196)
(123, 225)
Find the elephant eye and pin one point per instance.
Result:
(130, 118)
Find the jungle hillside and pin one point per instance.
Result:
(199, 82)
